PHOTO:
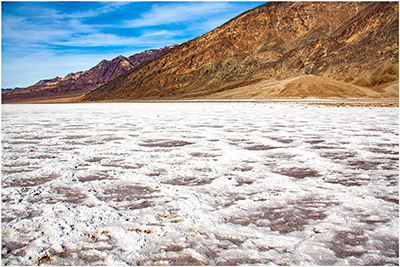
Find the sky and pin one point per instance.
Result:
(43, 40)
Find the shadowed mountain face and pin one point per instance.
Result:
(271, 51)
(79, 83)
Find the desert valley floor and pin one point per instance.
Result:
(199, 184)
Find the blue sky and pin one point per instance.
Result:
(42, 40)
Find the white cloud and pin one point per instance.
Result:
(50, 26)
(176, 13)
(108, 40)
(108, 7)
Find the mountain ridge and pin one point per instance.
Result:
(81, 82)
(354, 43)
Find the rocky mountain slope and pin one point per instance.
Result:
(277, 50)
(79, 83)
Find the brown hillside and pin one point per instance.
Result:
(352, 43)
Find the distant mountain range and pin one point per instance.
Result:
(277, 50)
(79, 83)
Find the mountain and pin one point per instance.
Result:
(9, 89)
(277, 50)
(79, 83)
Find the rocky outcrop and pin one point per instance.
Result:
(79, 83)
(354, 43)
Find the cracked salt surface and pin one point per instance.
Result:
(199, 184)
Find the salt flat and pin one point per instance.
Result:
(199, 184)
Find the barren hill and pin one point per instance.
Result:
(307, 49)
(79, 83)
